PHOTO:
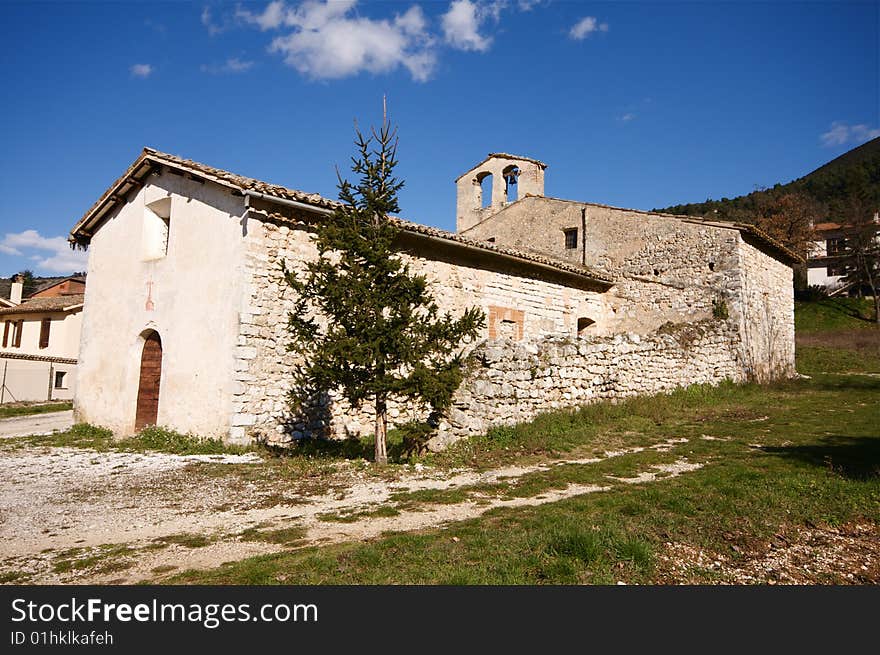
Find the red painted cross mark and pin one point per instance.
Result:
(150, 305)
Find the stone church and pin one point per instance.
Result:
(184, 319)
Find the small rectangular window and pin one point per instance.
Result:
(835, 246)
(60, 380)
(16, 339)
(571, 238)
(6, 333)
(45, 327)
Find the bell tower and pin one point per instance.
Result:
(504, 179)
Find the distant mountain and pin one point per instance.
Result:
(855, 174)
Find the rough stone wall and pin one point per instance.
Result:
(765, 311)
(520, 305)
(666, 270)
(544, 365)
(514, 382)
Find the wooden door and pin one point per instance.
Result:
(148, 387)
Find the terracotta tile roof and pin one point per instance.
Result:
(53, 304)
(37, 358)
(151, 158)
(823, 227)
(529, 255)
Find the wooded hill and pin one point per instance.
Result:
(855, 175)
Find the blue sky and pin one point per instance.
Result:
(634, 104)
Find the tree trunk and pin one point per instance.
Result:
(381, 430)
(869, 275)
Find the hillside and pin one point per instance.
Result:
(855, 174)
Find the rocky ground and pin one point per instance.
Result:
(73, 515)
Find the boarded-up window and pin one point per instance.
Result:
(16, 340)
(45, 327)
(6, 333)
(505, 322)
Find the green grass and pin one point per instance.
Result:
(107, 558)
(833, 314)
(794, 454)
(8, 411)
(286, 536)
(152, 438)
(185, 539)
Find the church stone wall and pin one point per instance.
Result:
(516, 304)
(514, 382)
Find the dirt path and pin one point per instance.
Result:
(22, 426)
(138, 514)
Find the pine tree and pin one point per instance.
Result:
(364, 325)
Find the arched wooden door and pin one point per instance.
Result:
(148, 386)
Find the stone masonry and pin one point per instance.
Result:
(511, 382)
(539, 363)
(582, 301)
(519, 304)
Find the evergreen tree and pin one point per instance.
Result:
(28, 282)
(363, 324)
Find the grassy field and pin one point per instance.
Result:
(833, 314)
(151, 438)
(27, 409)
(777, 463)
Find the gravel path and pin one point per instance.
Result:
(23, 426)
(53, 500)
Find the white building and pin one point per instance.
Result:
(40, 343)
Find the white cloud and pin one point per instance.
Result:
(213, 28)
(327, 41)
(231, 65)
(330, 39)
(586, 26)
(310, 15)
(141, 70)
(842, 133)
(627, 117)
(57, 255)
(462, 23)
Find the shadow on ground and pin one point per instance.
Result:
(350, 448)
(855, 458)
(846, 381)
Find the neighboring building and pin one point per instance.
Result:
(186, 259)
(65, 286)
(40, 342)
(826, 265)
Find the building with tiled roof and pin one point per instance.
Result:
(186, 308)
(40, 346)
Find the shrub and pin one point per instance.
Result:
(719, 309)
(154, 437)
